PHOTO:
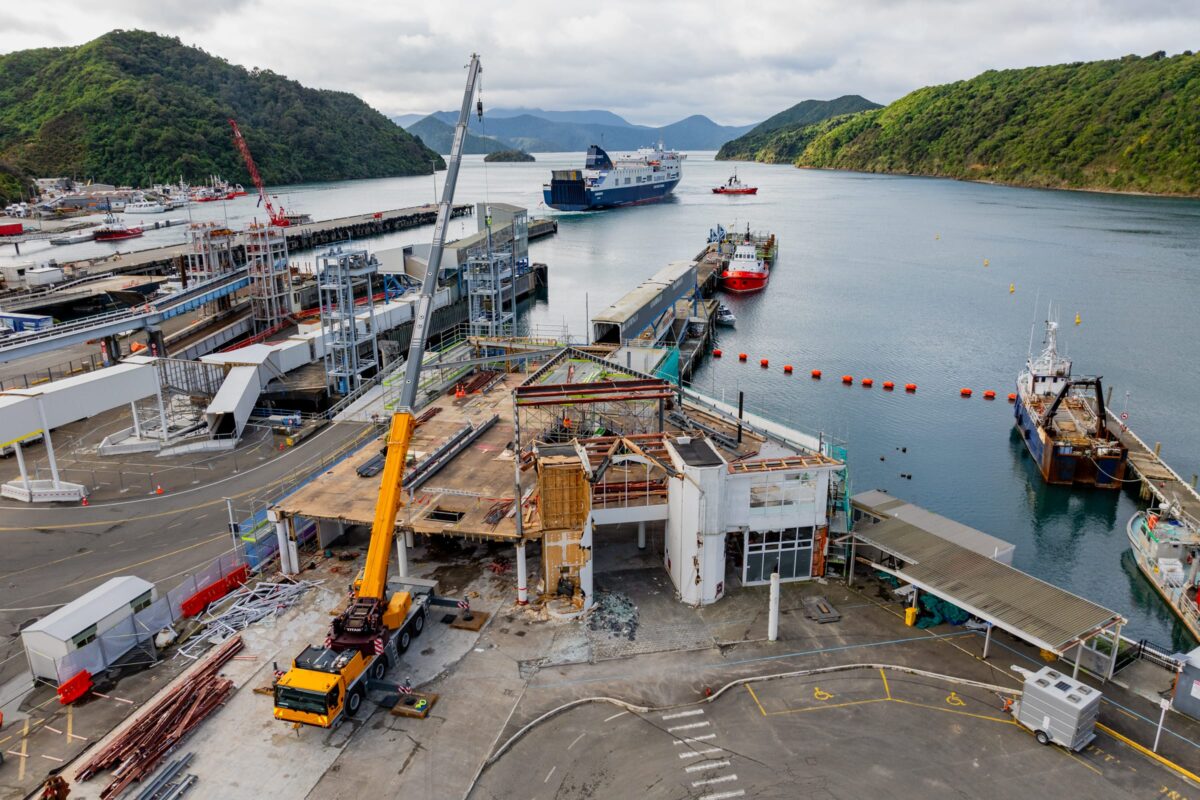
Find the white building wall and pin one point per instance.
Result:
(695, 537)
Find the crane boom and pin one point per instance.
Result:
(424, 310)
(278, 218)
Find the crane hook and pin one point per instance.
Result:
(479, 109)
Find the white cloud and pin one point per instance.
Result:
(652, 62)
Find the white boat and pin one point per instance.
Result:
(145, 207)
(73, 238)
(725, 316)
(1166, 547)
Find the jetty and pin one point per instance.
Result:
(1158, 480)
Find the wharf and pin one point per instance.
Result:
(539, 228)
(1158, 480)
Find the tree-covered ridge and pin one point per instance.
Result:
(759, 144)
(1128, 124)
(133, 107)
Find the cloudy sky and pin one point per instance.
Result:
(652, 62)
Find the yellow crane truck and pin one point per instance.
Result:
(329, 683)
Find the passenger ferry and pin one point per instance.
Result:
(1166, 547)
(648, 175)
(1065, 431)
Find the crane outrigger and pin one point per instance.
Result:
(327, 683)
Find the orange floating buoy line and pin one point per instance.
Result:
(867, 383)
(989, 395)
(762, 362)
(888, 386)
(964, 392)
(816, 373)
(741, 356)
(716, 353)
(787, 368)
(910, 387)
(847, 379)
(1012, 397)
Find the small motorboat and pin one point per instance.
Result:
(725, 316)
(734, 186)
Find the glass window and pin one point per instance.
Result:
(754, 568)
(85, 636)
(141, 602)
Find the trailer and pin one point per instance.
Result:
(1058, 709)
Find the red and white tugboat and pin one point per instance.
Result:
(734, 186)
(113, 231)
(745, 272)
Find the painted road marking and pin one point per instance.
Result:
(548, 774)
(691, 739)
(51, 758)
(821, 694)
(706, 765)
(577, 738)
(954, 700)
(709, 781)
(697, 753)
(679, 714)
(687, 727)
(724, 795)
(614, 716)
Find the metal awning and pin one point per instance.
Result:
(1024, 606)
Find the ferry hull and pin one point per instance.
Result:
(1059, 464)
(574, 196)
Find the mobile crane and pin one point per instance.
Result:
(278, 217)
(328, 683)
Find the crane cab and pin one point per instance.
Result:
(320, 687)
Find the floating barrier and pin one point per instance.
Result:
(964, 392)
(847, 379)
(787, 368)
(816, 373)
(762, 362)
(741, 356)
(989, 395)
(867, 383)
(1012, 397)
(716, 353)
(910, 387)
(888, 385)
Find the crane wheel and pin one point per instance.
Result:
(379, 668)
(418, 623)
(405, 641)
(354, 701)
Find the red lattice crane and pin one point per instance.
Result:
(277, 216)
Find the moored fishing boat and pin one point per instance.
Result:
(1166, 547)
(746, 271)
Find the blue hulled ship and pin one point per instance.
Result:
(647, 175)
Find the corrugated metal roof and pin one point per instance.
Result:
(1021, 604)
(882, 504)
(90, 608)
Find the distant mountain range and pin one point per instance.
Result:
(535, 130)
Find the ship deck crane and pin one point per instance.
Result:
(278, 217)
(325, 683)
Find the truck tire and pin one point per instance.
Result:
(354, 701)
(404, 641)
(1041, 737)
(379, 668)
(418, 623)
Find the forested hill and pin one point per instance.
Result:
(133, 107)
(751, 146)
(1128, 124)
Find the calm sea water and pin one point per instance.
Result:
(884, 277)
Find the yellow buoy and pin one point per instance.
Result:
(937, 236)
(1012, 287)
(985, 262)
(1078, 319)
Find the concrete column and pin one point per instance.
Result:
(522, 576)
(1112, 659)
(401, 557)
(773, 610)
(49, 445)
(850, 564)
(642, 535)
(137, 426)
(21, 465)
(408, 539)
(1078, 660)
(293, 545)
(987, 641)
(283, 540)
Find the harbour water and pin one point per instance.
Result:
(884, 277)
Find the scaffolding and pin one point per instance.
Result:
(270, 277)
(346, 279)
(492, 294)
(209, 251)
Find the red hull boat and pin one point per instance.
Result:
(734, 186)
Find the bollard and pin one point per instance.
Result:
(773, 612)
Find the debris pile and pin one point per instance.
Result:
(160, 727)
(242, 608)
(614, 614)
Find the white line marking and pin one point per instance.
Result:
(722, 779)
(577, 738)
(56, 730)
(724, 795)
(51, 758)
(691, 739)
(614, 716)
(679, 714)
(697, 753)
(677, 727)
(706, 765)
(551, 772)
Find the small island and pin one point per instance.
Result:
(508, 156)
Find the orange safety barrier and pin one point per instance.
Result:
(214, 591)
(74, 687)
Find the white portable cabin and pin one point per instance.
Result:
(1058, 709)
(82, 620)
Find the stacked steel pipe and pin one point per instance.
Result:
(160, 727)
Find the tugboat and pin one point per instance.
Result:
(1065, 431)
(113, 231)
(745, 272)
(734, 186)
(725, 316)
(1166, 546)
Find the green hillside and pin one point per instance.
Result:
(133, 107)
(808, 112)
(1129, 124)
(439, 137)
